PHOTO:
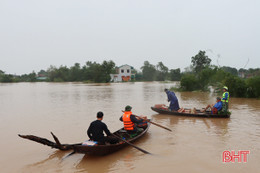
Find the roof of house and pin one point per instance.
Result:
(126, 65)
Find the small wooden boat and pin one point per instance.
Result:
(193, 113)
(98, 150)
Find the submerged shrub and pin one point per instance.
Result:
(236, 86)
(253, 87)
(189, 82)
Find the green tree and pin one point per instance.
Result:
(138, 76)
(175, 74)
(189, 82)
(95, 72)
(32, 77)
(58, 75)
(162, 72)
(231, 70)
(107, 67)
(51, 71)
(236, 86)
(205, 78)
(91, 71)
(6, 78)
(200, 61)
(75, 73)
(253, 87)
(149, 71)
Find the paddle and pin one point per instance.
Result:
(140, 149)
(160, 125)
(154, 123)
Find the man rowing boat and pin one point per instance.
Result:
(130, 121)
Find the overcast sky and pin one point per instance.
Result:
(36, 34)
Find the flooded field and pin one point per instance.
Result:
(67, 109)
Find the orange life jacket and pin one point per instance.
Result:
(128, 124)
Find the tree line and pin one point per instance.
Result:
(94, 72)
(241, 83)
(198, 76)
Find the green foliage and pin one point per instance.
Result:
(148, 71)
(175, 74)
(98, 72)
(253, 87)
(162, 72)
(138, 76)
(58, 80)
(200, 61)
(201, 75)
(75, 73)
(6, 78)
(204, 78)
(200, 81)
(91, 71)
(189, 82)
(107, 68)
(58, 74)
(236, 86)
(231, 70)
(218, 77)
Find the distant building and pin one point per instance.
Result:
(42, 77)
(241, 74)
(123, 74)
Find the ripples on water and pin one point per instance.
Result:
(67, 109)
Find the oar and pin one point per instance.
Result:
(156, 124)
(140, 149)
(160, 125)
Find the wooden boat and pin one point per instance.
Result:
(98, 150)
(195, 113)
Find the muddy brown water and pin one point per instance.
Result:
(67, 109)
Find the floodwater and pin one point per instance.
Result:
(67, 109)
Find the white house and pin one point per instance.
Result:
(123, 73)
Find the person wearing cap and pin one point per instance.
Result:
(174, 103)
(95, 131)
(130, 121)
(225, 97)
(214, 108)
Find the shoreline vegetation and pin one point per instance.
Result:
(197, 77)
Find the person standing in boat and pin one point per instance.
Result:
(214, 108)
(174, 103)
(225, 98)
(95, 131)
(130, 121)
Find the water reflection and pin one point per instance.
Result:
(68, 109)
(218, 126)
(124, 159)
(55, 158)
(94, 164)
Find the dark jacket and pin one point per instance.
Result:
(95, 131)
(174, 105)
